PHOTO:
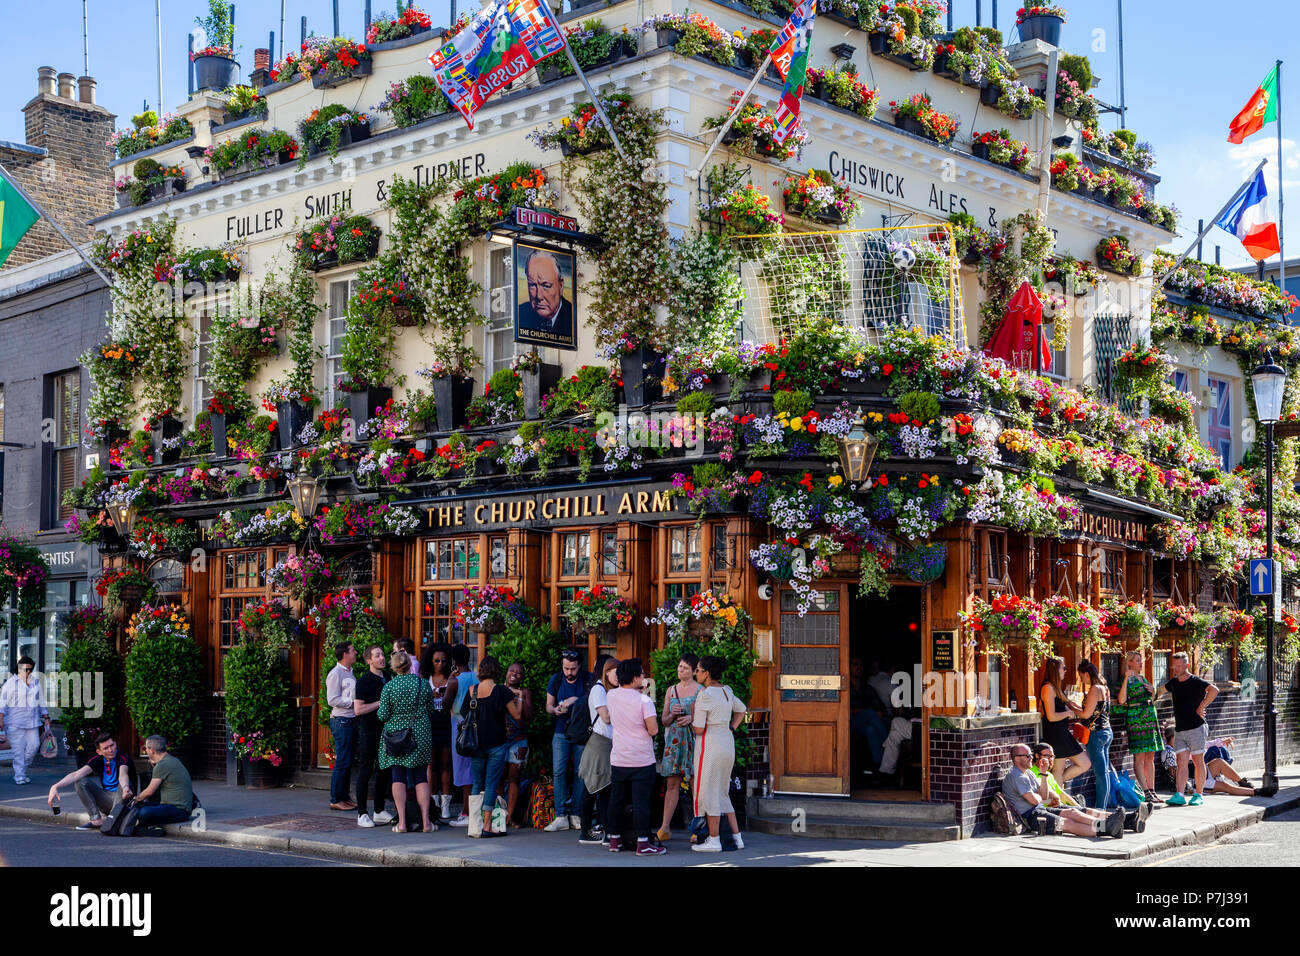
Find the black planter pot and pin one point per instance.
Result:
(990, 94)
(567, 150)
(863, 386)
(323, 81)
(730, 136)
(761, 381)
(348, 136)
(626, 48)
(168, 430)
(668, 37)
(643, 372)
(537, 383)
(1045, 28)
(220, 447)
(260, 774)
(880, 47)
(548, 70)
(215, 72)
(941, 68)
(452, 395)
(362, 405)
(166, 188)
(292, 416)
(113, 436)
(719, 384)
(979, 150)
(909, 124)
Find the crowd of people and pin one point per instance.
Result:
(1076, 736)
(435, 727)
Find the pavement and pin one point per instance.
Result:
(297, 820)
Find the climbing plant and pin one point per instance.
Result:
(705, 297)
(1001, 276)
(289, 302)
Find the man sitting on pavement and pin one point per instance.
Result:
(1044, 756)
(171, 784)
(103, 784)
(1029, 796)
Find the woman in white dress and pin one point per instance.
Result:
(718, 712)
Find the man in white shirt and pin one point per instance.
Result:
(23, 715)
(340, 693)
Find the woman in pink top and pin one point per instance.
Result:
(632, 758)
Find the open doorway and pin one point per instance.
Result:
(885, 749)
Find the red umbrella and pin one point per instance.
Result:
(1014, 339)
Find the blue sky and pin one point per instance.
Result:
(1188, 69)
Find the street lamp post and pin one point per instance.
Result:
(1269, 382)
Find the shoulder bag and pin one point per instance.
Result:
(467, 737)
(399, 743)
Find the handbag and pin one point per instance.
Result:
(467, 737)
(399, 743)
(49, 746)
(1081, 731)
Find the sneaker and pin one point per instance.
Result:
(740, 843)
(461, 821)
(23, 781)
(615, 844)
(558, 824)
(1176, 800)
(363, 820)
(90, 825)
(711, 845)
(646, 848)
(1245, 782)
(1115, 824)
(1196, 800)
(382, 817)
(589, 837)
(575, 822)
(1135, 821)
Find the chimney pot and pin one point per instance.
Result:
(86, 89)
(66, 85)
(261, 59)
(45, 82)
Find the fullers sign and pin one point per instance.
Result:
(526, 217)
(605, 506)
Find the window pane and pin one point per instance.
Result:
(584, 554)
(677, 549)
(444, 561)
(692, 549)
(609, 552)
(55, 643)
(458, 560)
(719, 548)
(569, 554)
(1159, 667)
(497, 562)
(473, 558)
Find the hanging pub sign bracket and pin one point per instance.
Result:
(525, 222)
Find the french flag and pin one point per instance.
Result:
(1248, 220)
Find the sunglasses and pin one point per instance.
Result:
(570, 655)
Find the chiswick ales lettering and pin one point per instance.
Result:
(594, 506)
(890, 184)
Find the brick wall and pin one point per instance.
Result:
(966, 769)
(210, 749)
(71, 179)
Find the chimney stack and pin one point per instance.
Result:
(261, 59)
(45, 80)
(66, 86)
(86, 89)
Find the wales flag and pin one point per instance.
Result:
(790, 56)
(16, 217)
(499, 45)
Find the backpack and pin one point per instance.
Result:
(122, 824)
(578, 732)
(1004, 818)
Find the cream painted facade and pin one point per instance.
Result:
(894, 172)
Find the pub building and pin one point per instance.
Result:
(547, 539)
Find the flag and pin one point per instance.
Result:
(500, 44)
(16, 217)
(1261, 109)
(1247, 219)
(790, 55)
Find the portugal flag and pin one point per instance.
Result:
(16, 217)
(1261, 109)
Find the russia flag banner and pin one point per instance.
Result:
(1248, 220)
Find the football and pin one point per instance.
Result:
(904, 258)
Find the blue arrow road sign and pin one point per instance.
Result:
(1261, 577)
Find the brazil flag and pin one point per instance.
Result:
(16, 217)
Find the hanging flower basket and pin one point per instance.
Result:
(845, 562)
(699, 628)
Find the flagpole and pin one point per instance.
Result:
(595, 100)
(57, 228)
(731, 117)
(1214, 221)
(1281, 245)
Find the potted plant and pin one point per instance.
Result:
(302, 575)
(998, 146)
(711, 488)
(536, 378)
(453, 390)
(337, 240)
(259, 708)
(214, 66)
(917, 115)
(593, 44)
(641, 365)
(332, 61)
(89, 651)
(752, 131)
(819, 196)
(842, 88)
(165, 429)
(490, 610)
(1114, 255)
(243, 102)
(292, 407)
(164, 674)
(329, 129)
(580, 133)
(694, 34)
(409, 22)
(413, 99)
(1041, 22)
(598, 610)
(924, 563)
(905, 34)
(754, 49)
(255, 149)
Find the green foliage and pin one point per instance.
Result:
(920, 406)
(258, 692)
(535, 647)
(705, 298)
(164, 677)
(289, 302)
(793, 402)
(317, 130)
(590, 390)
(695, 403)
(218, 24)
(92, 653)
(147, 118)
(1079, 69)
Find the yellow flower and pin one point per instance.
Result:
(796, 424)
(835, 481)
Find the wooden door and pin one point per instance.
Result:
(810, 713)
